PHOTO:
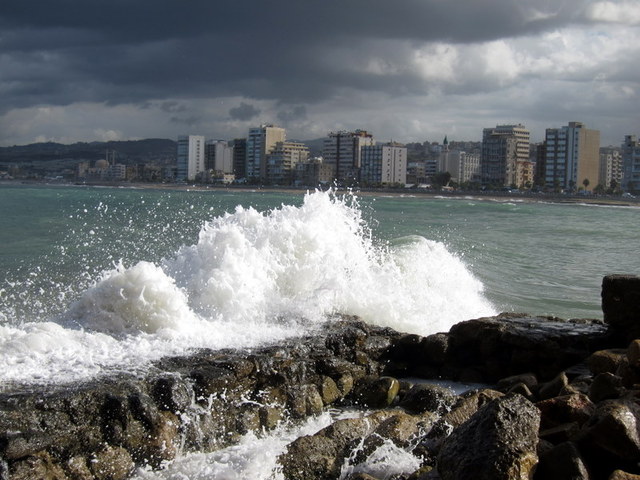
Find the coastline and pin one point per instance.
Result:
(488, 196)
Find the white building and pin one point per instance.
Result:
(218, 156)
(260, 143)
(384, 164)
(190, 159)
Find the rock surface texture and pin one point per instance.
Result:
(561, 401)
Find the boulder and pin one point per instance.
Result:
(613, 432)
(621, 305)
(606, 386)
(376, 392)
(426, 397)
(510, 344)
(606, 361)
(560, 463)
(498, 442)
(556, 411)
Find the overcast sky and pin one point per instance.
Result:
(407, 70)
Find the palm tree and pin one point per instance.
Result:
(586, 183)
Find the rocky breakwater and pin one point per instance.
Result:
(560, 401)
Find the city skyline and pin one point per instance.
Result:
(415, 70)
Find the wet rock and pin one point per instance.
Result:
(321, 456)
(523, 390)
(556, 411)
(40, 466)
(511, 344)
(633, 353)
(172, 393)
(613, 431)
(375, 392)
(606, 386)
(621, 305)
(606, 361)
(329, 391)
(111, 463)
(527, 379)
(560, 463)
(468, 404)
(304, 400)
(498, 442)
(554, 387)
(426, 397)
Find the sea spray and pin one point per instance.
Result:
(251, 278)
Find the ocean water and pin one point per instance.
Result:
(101, 280)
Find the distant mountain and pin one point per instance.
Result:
(132, 151)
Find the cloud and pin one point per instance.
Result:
(244, 112)
(296, 114)
(306, 67)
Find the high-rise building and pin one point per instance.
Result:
(282, 161)
(190, 158)
(611, 168)
(218, 156)
(260, 143)
(342, 150)
(572, 157)
(503, 148)
(631, 164)
(384, 164)
(239, 157)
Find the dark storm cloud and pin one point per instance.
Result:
(244, 112)
(290, 51)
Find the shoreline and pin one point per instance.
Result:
(493, 196)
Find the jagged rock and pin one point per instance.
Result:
(606, 361)
(498, 442)
(426, 397)
(554, 387)
(613, 432)
(561, 463)
(565, 409)
(329, 391)
(606, 386)
(172, 393)
(527, 379)
(510, 344)
(111, 463)
(376, 392)
(523, 390)
(321, 456)
(468, 404)
(40, 466)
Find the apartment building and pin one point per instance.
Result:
(384, 164)
(260, 143)
(342, 150)
(572, 157)
(190, 157)
(503, 148)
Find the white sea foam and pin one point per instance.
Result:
(251, 278)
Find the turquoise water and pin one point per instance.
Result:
(541, 258)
